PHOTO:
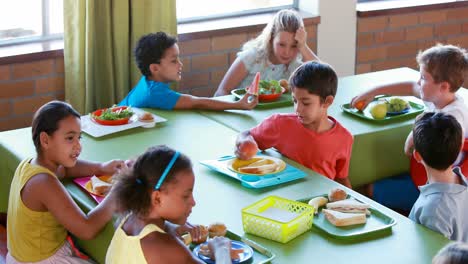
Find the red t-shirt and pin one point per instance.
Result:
(327, 153)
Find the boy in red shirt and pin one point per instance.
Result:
(309, 136)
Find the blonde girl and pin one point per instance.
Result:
(275, 53)
(41, 212)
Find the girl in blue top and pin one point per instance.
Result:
(157, 57)
(275, 53)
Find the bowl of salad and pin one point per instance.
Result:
(270, 90)
(113, 116)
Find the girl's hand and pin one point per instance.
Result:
(248, 102)
(113, 166)
(301, 37)
(199, 233)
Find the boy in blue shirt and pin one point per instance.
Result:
(157, 57)
(441, 205)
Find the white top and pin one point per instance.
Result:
(457, 109)
(268, 70)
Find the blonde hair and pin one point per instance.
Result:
(286, 20)
(445, 63)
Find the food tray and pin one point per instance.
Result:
(222, 165)
(376, 222)
(284, 100)
(82, 181)
(415, 109)
(94, 129)
(261, 255)
(297, 218)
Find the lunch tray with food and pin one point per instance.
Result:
(347, 217)
(252, 252)
(270, 171)
(413, 108)
(101, 122)
(277, 218)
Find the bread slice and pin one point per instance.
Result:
(99, 186)
(262, 169)
(260, 162)
(344, 219)
(349, 206)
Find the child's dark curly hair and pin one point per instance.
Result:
(150, 49)
(133, 188)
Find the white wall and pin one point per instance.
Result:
(336, 32)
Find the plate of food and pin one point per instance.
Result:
(386, 108)
(112, 116)
(270, 92)
(99, 185)
(343, 216)
(229, 166)
(240, 252)
(258, 165)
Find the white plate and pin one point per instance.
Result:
(96, 130)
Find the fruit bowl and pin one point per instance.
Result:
(97, 116)
(270, 97)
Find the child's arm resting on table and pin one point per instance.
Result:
(400, 88)
(85, 168)
(234, 76)
(193, 102)
(45, 192)
(344, 181)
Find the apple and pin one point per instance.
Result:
(379, 110)
(248, 149)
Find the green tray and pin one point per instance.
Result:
(284, 100)
(376, 222)
(261, 254)
(414, 110)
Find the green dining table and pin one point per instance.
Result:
(221, 198)
(378, 145)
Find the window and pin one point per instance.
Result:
(41, 20)
(190, 10)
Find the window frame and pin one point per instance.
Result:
(45, 36)
(294, 5)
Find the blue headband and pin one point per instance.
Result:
(166, 171)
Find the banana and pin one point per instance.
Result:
(317, 202)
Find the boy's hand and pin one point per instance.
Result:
(248, 102)
(300, 37)
(113, 166)
(246, 150)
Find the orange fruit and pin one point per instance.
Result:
(359, 105)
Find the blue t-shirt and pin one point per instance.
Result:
(148, 93)
(442, 208)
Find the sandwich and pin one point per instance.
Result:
(100, 187)
(217, 229)
(262, 166)
(344, 219)
(349, 206)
